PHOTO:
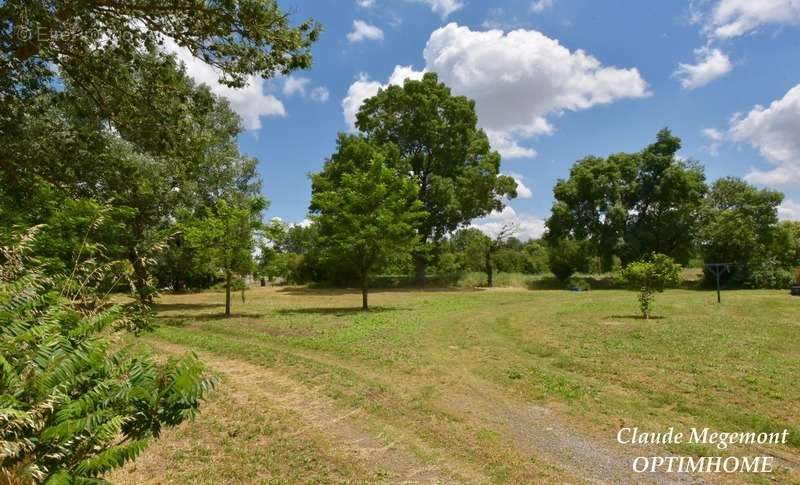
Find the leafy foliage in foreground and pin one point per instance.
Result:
(73, 403)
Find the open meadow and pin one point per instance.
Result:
(472, 386)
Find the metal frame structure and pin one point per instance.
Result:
(717, 269)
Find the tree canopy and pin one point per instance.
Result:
(364, 209)
(441, 150)
(631, 204)
(41, 38)
(739, 225)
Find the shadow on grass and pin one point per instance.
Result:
(336, 311)
(332, 290)
(175, 307)
(183, 320)
(636, 317)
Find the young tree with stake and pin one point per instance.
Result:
(649, 276)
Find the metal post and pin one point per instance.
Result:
(718, 269)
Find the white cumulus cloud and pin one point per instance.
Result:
(775, 131)
(517, 79)
(715, 139)
(710, 64)
(294, 85)
(365, 3)
(249, 102)
(528, 226)
(443, 7)
(523, 192)
(320, 94)
(541, 5)
(363, 31)
(733, 18)
(789, 210)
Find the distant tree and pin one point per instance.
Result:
(567, 257)
(509, 260)
(492, 247)
(273, 259)
(364, 209)
(537, 258)
(631, 204)
(225, 237)
(789, 242)
(479, 252)
(468, 245)
(442, 151)
(739, 224)
(649, 276)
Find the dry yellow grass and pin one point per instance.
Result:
(438, 386)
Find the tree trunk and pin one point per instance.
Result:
(420, 265)
(227, 294)
(364, 305)
(489, 269)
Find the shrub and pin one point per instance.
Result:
(74, 405)
(578, 284)
(797, 276)
(651, 276)
(769, 275)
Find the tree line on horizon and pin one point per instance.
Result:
(395, 198)
(609, 212)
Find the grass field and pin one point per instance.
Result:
(474, 386)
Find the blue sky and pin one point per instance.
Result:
(576, 77)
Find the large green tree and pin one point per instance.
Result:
(739, 225)
(442, 151)
(153, 166)
(92, 106)
(365, 210)
(631, 204)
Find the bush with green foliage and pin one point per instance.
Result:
(578, 284)
(74, 403)
(567, 257)
(769, 274)
(650, 276)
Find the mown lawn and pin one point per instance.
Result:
(435, 363)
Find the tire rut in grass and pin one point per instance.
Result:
(382, 453)
(535, 430)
